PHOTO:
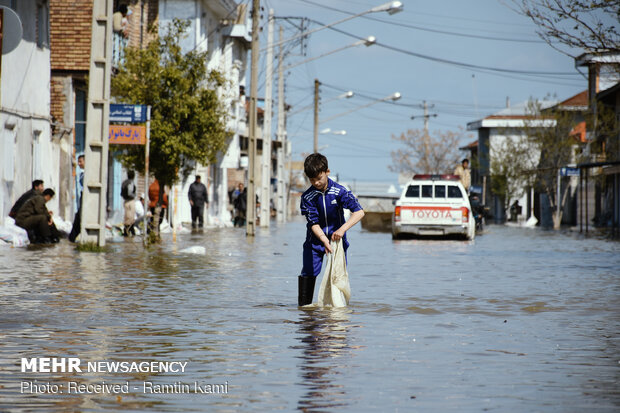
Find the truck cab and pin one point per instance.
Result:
(433, 205)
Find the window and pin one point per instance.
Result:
(413, 191)
(454, 192)
(80, 120)
(440, 191)
(43, 20)
(427, 191)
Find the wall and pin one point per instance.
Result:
(28, 151)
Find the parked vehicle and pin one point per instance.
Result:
(433, 205)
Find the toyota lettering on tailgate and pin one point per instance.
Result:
(433, 213)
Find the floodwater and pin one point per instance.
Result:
(517, 320)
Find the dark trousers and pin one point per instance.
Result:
(198, 215)
(77, 226)
(36, 226)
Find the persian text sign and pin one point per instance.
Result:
(127, 135)
(569, 171)
(127, 113)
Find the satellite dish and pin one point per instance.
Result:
(11, 30)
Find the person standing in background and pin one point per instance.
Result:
(128, 192)
(154, 201)
(77, 224)
(198, 198)
(462, 170)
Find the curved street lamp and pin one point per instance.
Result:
(394, 97)
(391, 7)
(333, 132)
(369, 41)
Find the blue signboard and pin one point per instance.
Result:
(566, 171)
(127, 113)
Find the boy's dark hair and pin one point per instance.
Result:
(36, 183)
(50, 192)
(465, 160)
(81, 156)
(315, 164)
(131, 174)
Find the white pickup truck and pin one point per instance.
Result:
(433, 205)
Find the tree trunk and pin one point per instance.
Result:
(557, 219)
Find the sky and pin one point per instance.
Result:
(484, 33)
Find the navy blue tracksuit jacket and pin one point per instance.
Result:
(327, 210)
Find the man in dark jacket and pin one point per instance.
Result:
(34, 217)
(37, 189)
(198, 197)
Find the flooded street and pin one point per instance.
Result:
(517, 320)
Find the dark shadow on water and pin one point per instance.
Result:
(325, 352)
(451, 237)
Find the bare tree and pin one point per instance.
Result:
(422, 153)
(589, 25)
(550, 131)
(511, 166)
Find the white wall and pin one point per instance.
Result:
(28, 151)
(229, 56)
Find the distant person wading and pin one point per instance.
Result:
(198, 198)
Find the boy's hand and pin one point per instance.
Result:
(338, 234)
(326, 244)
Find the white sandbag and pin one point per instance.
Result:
(12, 234)
(335, 290)
(62, 225)
(531, 222)
(164, 227)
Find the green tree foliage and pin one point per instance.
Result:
(188, 120)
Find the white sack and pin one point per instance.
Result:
(335, 290)
(12, 234)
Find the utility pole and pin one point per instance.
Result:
(251, 201)
(316, 115)
(265, 194)
(281, 188)
(426, 116)
(426, 136)
(93, 209)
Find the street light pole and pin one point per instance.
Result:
(281, 187)
(265, 193)
(394, 96)
(251, 192)
(391, 7)
(316, 115)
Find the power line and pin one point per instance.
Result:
(410, 26)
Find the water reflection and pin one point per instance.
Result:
(515, 321)
(325, 352)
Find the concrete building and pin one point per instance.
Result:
(220, 28)
(70, 39)
(29, 149)
(493, 133)
(599, 200)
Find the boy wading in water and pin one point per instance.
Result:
(323, 206)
